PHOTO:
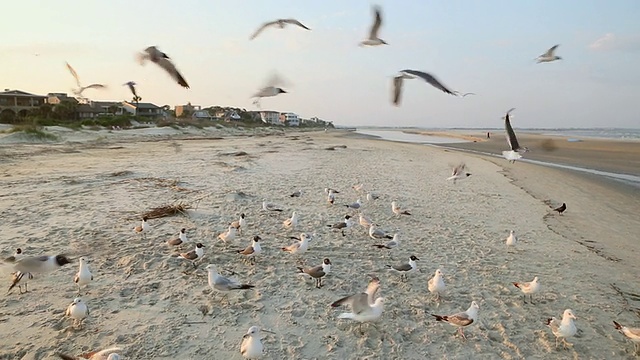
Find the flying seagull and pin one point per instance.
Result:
(164, 61)
(465, 94)
(373, 39)
(280, 23)
(513, 154)
(459, 173)
(81, 88)
(411, 74)
(132, 87)
(270, 90)
(549, 56)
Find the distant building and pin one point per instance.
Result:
(94, 109)
(57, 98)
(16, 103)
(270, 117)
(186, 109)
(290, 119)
(147, 110)
(202, 115)
(227, 115)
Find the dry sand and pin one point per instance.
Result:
(65, 198)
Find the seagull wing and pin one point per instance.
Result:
(511, 135)
(133, 90)
(403, 267)
(74, 73)
(100, 355)
(397, 89)
(373, 34)
(460, 319)
(262, 27)
(295, 22)
(168, 66)
(549, 52)
(95, 86)
(430, 79)
(468, 94)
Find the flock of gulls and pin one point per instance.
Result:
(366, 306)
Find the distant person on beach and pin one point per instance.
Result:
(488, 135)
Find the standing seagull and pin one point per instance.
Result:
(390, 245)
(143, 228)
(280, 23)
(84, 276)
(397, 210)
(251, 346)
(436, 285)
(132, 87)
(252, 250)
(376, 233)
(240, 223)
(513, 154)
(81, 88)
(405, 268)
(161, 59)
(220, 283)
(563, 329)
(459, 173)
(106, 354)
(317, 272)
(292, 222)
(461, 319)
(561, 208)
(529, 288)
(194, 254)
(182, 238)
(411, 74)
(512, 239)
(78, 311)
(373, 39)
(549, 56)
(300, 247)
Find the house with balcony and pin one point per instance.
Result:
(227, 115)
(93, 109)
(57, 98)
(289, 119)
(17, 103)
(147, 110)
(270, 117)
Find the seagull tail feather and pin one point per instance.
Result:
(347, 316)
(511, 155)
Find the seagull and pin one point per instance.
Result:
(292, 222)
(342, 225)
(390, 245)
(220, 283)
(240, 223)
(132, 87)
(164, 61)
(251, 346)
(364, 220)
(361, 304)
(373, 39)
(462, 319)
(296, 193)
(372, 196)
(436, 285)
(376, 233)
(78, 311)
(40, 264)
(317, 272)
(459, 173)
(331, 197)
(632, 334)
(358, 187)
(16, 280)
(529, 288)
(228, 235)
(512, 239)
(84, 276)
(269, 207)
(106, 354)
(406, 268)
(330, 190)
(271, 89)
(194, 254)
(563, 329)
(356, 205)
(513, 154)
(81, 88)
(280, 23)
(549, 56)
(15, 257)
(411, 74)
(561, 208)
(182, 238)
(397, 210)
(143, 228)
(300, 247)
(252, 250)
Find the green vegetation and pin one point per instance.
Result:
(33, 131)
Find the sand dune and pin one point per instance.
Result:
(146, 300)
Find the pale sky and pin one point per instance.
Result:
(487, 47)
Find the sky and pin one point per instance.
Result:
(487, 47)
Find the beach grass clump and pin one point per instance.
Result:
(34, 132)
(168, 210)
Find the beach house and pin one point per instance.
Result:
(270, 117)
(186, 110)
(16, 103)
(147, 110)
(289, 119)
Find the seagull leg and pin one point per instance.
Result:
(524, 298)
(557, 342)
(462, 333)
(531, 299)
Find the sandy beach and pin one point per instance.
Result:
(84, 194)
